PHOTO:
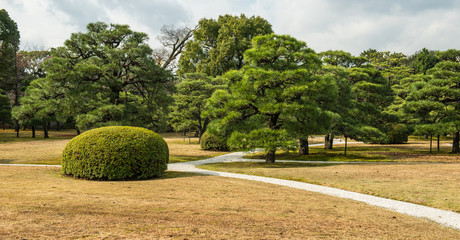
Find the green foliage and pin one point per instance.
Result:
(218, 45)
(9, 37)
(116, 153)
(263, 96)
(398, 133)
(341, 58)
(423, 60)
(107, 76)
(190, 102)
(213, 142)
(435, 99)
(370, 134)
(5, 108)
(39, 105)
(265, 138)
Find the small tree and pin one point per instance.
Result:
(190, 102)
(5, 109)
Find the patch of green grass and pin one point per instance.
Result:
(366, 153)
(177, 159)
(9, 135)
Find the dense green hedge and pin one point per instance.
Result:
(398, 134)
(116, 153)
(213, 142)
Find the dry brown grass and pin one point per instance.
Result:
(40, 203)
(49, 151)
(435, 185)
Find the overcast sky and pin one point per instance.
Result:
(350, 25)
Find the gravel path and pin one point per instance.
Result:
(446, 218)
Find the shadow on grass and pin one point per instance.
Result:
(166, 175)
(244, 165)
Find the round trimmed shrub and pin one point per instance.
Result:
(213, 142)
(116, 153)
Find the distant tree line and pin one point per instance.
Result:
(233, 78)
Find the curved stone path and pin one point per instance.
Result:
(446, 218)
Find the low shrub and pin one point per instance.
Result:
(398, 134)
(213, 142)
(116, 153)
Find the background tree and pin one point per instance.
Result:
(9, 46)
(280, 70)
(372, 96)
(173, 41)
(341, 58)
(423, 60)
(5, 109)
(342, 121)
(190, 102)
(39, 106)
(437, 100)
(218, 45)
(108, 76)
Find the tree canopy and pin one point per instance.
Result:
(261, 97)
(218, 45)
(107, 76)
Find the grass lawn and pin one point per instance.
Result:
(434, 185)
(27, 150)
(40, 203)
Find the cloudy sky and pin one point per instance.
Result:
(350, 25)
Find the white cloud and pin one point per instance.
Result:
(353, 25)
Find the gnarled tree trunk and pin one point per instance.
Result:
(303, 146)
(456, 143)
(270, 156)
(45, 130)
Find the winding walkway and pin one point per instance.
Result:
(446, 218)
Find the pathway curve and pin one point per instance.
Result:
(446, 218)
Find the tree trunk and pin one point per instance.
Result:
(33, 131)
(456, 143)
(346, 142)
(16, 127)
(270, 157)
(200, 133)
(438, 142)
(78, 132)
(45, 130)
(331, 141)
(431, 142)
(326, 142)
(58, 126)
(303, 148)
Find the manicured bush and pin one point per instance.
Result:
(398, 134)
(213, 142)
(116, 153)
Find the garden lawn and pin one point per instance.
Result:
(415, 151)
(434, 185)
(41, 203)
(49, 151)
